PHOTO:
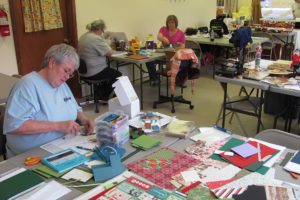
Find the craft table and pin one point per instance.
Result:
(139, 64)
(220, 42)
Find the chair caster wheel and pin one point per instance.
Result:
(191, 107)
(173, 110)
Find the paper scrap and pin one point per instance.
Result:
(77, 174)
(190, 176)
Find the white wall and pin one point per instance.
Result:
(8, 62)
(142, 17)
(135, 17)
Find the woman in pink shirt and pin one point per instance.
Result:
(171, 34)
(168, 35)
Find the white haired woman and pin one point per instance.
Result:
(41, 106)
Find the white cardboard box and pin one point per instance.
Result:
(124, 91)
(131, 109)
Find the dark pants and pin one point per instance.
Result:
(111, 76)
(152, 70)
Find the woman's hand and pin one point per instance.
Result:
(68, 127)
(89, 126)
(165, 41)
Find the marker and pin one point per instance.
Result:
(222, 129)
(83, 148)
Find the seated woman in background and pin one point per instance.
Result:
(296, 12)
(168, 35)
(93, 49)
(41, 106)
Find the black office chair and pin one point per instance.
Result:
(94, 84)
(2, 136)
(170, 97)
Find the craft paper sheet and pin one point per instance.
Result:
(160, 166)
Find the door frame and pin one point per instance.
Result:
(71, 27)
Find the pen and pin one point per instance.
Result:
(83, 148)
(222, 129)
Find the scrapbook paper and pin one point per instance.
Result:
(160, 166)
(252, 192)
(190, 176)
(201, 151)
(233, 142)
(200, 193)
(245, 150)
(210, 136)
(243, 162)
(217, 184)
(219, 174)
(279, 193)
(227, 193)
(252, 179)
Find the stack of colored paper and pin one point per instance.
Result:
(145, 142)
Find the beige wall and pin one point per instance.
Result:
(141, 17)
(135, 17)
(8, 62)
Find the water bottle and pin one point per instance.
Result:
(212, 35)
(258, 56)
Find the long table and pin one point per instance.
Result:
(131, 153)
(139, 64)
(219, 42)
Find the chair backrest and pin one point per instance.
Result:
(192, 45)
(279, 137)
(82, 67)
(2, 136)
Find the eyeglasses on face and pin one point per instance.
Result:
(69, 73)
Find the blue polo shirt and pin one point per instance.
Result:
(34, 98)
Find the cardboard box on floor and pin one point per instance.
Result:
(126, 100)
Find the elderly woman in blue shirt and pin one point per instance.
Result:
(41, 106)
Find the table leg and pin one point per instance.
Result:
(224, 85)
(260, 110)
(141, 87)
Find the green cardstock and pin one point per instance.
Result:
(145, 142)
(47, 170)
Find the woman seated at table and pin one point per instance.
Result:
(168, 35)
(41, 106)
(93, 49)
